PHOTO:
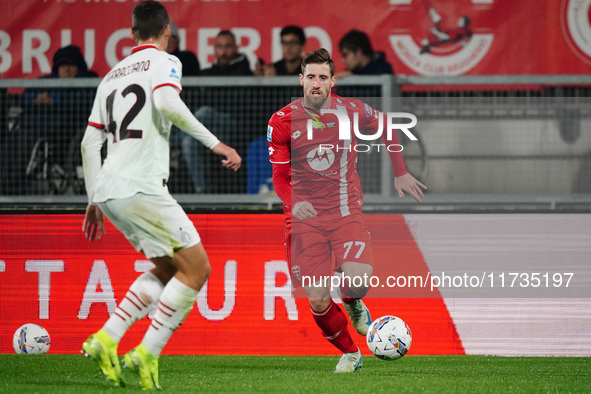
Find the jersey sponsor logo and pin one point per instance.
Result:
(317, 121)
(318, 125)
(270, 133)
(320, 158)
(576, 27)
(280, 113)
(330, 173)
(296, 134)
(451, 45)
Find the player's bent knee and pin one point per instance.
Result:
(319, 304)
(355, 292)
(204, 271)
(199, 274)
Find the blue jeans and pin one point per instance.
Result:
(220, 124)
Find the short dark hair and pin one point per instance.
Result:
(226, 33)
(149, 19)
(295, 30)
(355, 40)
(318, 56)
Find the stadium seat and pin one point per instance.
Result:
(258, 168)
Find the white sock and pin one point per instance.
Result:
(176, 302)
(134, 306)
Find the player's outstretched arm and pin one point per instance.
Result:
(94, 223)
(408, 183)
(168, 101)
(232, 160)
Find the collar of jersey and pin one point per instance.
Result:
(332, 104)
(142, 47)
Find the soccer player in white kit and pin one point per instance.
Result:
(135, 106)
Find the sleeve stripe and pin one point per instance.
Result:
(97, 125)
(280, 162)
(168, 84)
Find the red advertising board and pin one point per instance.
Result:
(419, 37)
(51, 275)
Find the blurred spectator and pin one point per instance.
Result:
(68, 62)
(359, 56)
(191, 68)
(293, 40)
(222, 123)
(228, 60)
(188, 59)
(51, 119)
(259, 67)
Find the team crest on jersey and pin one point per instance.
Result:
(269, 133)
(320, 159)
(185, 236)
(174, 73)
(295, 270)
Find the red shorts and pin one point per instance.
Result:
(315, 249)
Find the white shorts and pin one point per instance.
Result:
(155, 225)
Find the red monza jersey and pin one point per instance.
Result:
(324, 166)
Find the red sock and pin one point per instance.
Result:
(348, 301)
(333, 323)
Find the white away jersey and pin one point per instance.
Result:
(137, 133)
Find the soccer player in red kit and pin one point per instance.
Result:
(315, 175)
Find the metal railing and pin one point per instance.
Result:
(493, 142)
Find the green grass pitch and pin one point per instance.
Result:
(469, 374)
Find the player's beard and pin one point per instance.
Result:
(316, 102)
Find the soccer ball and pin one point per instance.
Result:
(389, 338)
(31, 339)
